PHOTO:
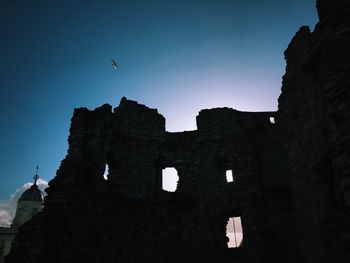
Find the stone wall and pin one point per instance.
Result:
(7, 235)
(292, 177)
(314, 111)
(129, 218)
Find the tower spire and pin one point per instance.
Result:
(36, 176)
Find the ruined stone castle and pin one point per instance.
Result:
(290, 174)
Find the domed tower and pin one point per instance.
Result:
(30, 202)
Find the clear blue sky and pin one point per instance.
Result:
(177, 56)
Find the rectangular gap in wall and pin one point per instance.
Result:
(169, 179)
(229, 176)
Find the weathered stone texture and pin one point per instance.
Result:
(292, 185)
(314, 110)
(129, 218)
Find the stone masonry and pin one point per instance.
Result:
(291, 187)
(314, 113)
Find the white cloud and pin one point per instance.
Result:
(8, 207)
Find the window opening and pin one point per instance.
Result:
(229, 176)
(272, 120)
(169, 179)
(106, 172)
(234, 232)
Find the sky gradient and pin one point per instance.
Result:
(176, 56)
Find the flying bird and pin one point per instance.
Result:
(114, 64)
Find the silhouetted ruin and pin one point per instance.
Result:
(290, 186)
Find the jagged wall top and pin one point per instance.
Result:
(138, 117)
(332, 9)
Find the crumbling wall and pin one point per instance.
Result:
(291, 188)
(129, 218)
(314, 110)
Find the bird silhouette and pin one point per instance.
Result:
(114, 63)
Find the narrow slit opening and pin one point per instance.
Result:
(106, 172)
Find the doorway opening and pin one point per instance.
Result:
(234, 231)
